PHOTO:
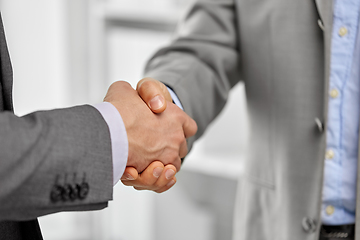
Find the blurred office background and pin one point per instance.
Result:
(67, 52)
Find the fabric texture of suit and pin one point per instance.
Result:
(50, 161)
(278, 50)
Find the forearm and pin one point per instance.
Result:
(201, 92)
(40, 150)
(202, 64)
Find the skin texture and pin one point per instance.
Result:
(156, 177)
(164, 141)
(149, 89)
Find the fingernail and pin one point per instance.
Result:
(127, 176)
(172, 182)
(157, 172)
(169, 173)
(156, 103)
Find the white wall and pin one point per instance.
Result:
(36, 41)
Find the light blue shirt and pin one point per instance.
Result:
(340, 172)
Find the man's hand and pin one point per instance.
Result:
(156, 95)
(155, 177)
(151, 136)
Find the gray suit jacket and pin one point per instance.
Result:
(278, 49)
(50, 161)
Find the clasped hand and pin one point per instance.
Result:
(156, 129)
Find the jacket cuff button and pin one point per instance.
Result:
(83, 190)
(56, 193)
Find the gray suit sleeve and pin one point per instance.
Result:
(41, 152)
(202, 63)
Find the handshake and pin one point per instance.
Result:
(156, 130)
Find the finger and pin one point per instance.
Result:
(140, 188)
(130, 174)
(154, 94)
(176, 163)
(188, 124)
(165, 181)
(148, 177)
(166, 177)
(190, 127)
(168, 186)
(183, 149)
(117, 89)
(163, 189)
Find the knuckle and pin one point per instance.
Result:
(183, 153)
(146, 86)
(173, 158)
(180, 137)
(120, 83)
(195, 127)
(157, 186)
(126, 183)
(159, 191)
(182, 140)
(177, 164)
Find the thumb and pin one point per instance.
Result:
(154, 94)
(130, 174)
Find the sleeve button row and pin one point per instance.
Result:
(69, 192)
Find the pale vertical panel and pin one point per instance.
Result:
(97, 51)
(36, 40)
(129, 49)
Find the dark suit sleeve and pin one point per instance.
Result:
(202, 64)
(53, 161)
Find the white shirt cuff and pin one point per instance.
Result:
(175, 98)
(118, 136)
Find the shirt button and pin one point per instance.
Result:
(329, 210)
(343, 31)
(329, 154)
(334, 93)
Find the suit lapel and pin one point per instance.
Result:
(6, 74)
(324, 8)
(325, 12)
